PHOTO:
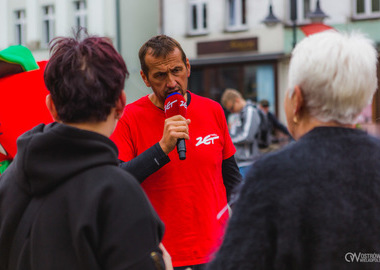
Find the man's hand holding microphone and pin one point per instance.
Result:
(176, 128)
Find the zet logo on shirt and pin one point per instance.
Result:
(209, 139)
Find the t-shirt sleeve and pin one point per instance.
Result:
(123, 140)
(229, 148)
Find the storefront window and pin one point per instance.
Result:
(254, 81)
(260, 83)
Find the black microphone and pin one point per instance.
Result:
(175, 104)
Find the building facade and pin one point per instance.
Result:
(33, 23)
(227, 42)
(229, 45)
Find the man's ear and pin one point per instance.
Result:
(120, 104)
(51, 107)
(188, 67)
(297, 100)
(145, 79)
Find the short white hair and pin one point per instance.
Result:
(337, 74)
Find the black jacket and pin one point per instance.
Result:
(315, 205)
(90, 213)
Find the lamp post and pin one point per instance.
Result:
(271, 19)
(318, 15)
(118, 27)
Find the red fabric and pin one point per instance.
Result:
(3, 157)
(22, 106)
(314, 28)
(187, 194)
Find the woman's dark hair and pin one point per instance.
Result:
(85, 77)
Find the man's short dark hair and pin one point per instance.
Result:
(161, 46)
(85, 77)
(264, 103)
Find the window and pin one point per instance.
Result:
(197, 17)
(366, 8)
(236, 15)
(254, 81)
(259, 82)
(20, 27)
(304, 7)
(360, 7)
(80, 14)
(48, 25)
(375, 6)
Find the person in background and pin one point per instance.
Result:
(269, 125)
(315, 204)
(189, 195)
(64, 201)
(22, 90)
(244, 129)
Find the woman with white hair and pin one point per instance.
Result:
(316, 203)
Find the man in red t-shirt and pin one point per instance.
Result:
(189, 195)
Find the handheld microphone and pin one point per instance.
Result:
(175, 104)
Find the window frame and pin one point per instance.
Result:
(240, 14)
(80, 14)
(367, 14)
(301, 12)
(201, 7)
(48, 24)
(20, 27)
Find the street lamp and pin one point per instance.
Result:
(318, 15)
(271, 19)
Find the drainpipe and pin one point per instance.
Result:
(161, 22)
(118, 27)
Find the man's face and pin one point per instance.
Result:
(231, 106)
(264, 108)
(166, 75)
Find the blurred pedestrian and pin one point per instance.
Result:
(189, 195)
(64, 202)
(316, 203)
(269, 127)
(244, 130)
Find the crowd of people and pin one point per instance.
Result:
(102, 187)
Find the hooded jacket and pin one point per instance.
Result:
(244, 135)
(90, 213)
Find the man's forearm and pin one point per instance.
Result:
(146, 163)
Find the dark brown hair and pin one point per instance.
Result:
(160, 46)
(85, 77)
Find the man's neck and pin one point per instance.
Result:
(156, 101)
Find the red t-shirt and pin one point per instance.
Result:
(187, 194)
